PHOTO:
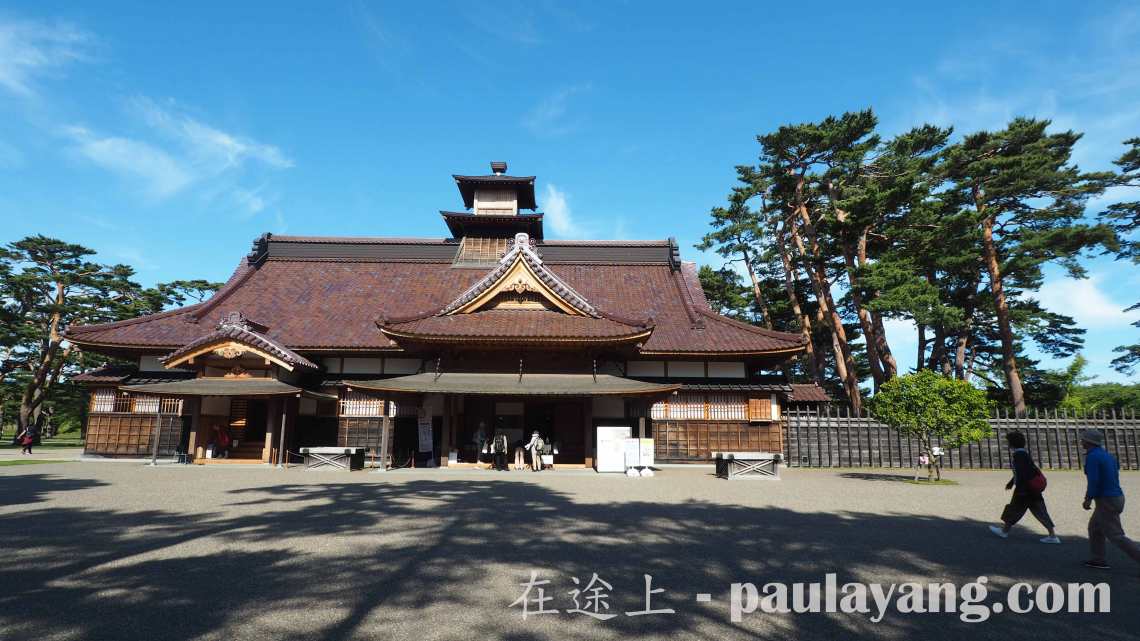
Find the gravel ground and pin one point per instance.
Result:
(122, 551)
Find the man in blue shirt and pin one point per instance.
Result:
(1103, 474)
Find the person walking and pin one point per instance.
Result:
(27, 439)
(1103, 473)
(1028, 484)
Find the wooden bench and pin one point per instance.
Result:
(334, 458)
(747, 465)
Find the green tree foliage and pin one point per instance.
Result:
(47, 285)
(725, 292)
(1027, 199)
(934, 409)
(1125, 220)
(841, 230)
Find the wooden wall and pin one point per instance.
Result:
(364, 431)
(695, 441)
(127, 434)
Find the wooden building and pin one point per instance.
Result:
(338, 341)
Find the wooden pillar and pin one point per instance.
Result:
(196, 447)
(385, 428)
(272, 413)
(641, 426)
(445, 430)
(588, 426)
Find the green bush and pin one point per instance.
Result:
(933, 408)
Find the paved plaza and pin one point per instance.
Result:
(97, 550)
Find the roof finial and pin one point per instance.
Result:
(498, 167)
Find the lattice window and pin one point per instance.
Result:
(107, 401)
(171, 405)
(700, 406)
(145, 404)
(476, 249)
(103, 400)
(358, 404)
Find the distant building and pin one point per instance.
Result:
(325, 340)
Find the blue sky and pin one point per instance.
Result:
(168, 137)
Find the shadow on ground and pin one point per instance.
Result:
(120, 574)
(872, 476)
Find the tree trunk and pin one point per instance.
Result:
(890, 365)
(36, 389)
(821, 315)
(794, 300)
(920, 361)
(937, 348)
(869, 334)
(845, 363)
(886, 357)
(761, 302)
(1009, 360)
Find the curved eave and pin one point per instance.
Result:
(502, 384)
(518, 340)
(135, 347)
(727, 353)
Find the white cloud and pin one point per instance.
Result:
(550, 116)
(176, 151)
(133, 257)
(250, 200)
(556, 210)
(160, 173)
(29, 49)
(1086, 302)
(1003, 72)
(210, 148)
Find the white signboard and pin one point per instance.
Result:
(646, 452)
(638, 452)
(632, 451)
(611, 447)
(425, 434)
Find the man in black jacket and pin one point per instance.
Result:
(1024, 497)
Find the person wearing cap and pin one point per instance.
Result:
(1103, 473)
(535, 448)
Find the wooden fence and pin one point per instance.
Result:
(837, 437)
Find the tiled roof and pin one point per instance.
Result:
(129, 375)
(335, 304)
(524, 184)
(524, 325)
(234, 327)
(106, 374)
(465, 223)
(522, 250)
(809, 393)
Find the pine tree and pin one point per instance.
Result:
(1026, 198)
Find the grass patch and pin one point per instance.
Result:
(28, 461)
(925, 482)
(46, 444)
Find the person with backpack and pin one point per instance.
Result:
(535, 448)
(1103, 474)
(499, 452)
(1028, 484)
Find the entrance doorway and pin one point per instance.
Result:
(247, 425)
(561, 424)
